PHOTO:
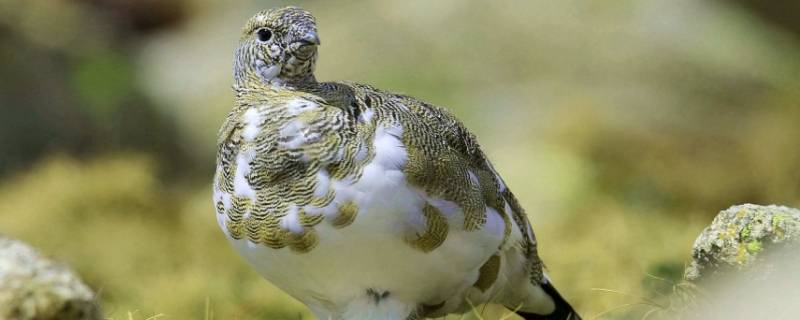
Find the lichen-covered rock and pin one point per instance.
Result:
(33, 287)
(744, 266)
(739, 237)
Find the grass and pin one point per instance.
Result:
(154, 249)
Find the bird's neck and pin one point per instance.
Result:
(305, 80)
(252, 82)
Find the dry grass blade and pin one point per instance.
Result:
(512, 313)
(474, 310)
(650, 312)
(209, 314)
(597, 316)
(644, 300)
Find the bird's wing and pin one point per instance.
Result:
(444, 161)
(275, 158)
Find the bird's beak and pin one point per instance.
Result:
(310, 38)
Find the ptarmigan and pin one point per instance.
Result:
(365, 204)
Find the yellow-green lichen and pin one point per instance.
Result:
(745, 233)
(754, 247)
(777, 221)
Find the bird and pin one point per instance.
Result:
(362, 203)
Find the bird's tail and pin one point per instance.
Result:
(563, 311)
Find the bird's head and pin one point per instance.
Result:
(278, 46)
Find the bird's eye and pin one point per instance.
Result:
(264, 35)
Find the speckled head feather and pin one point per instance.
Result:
(277, 47)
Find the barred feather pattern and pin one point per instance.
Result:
(274, 149)
(279, 144)
(322, 186)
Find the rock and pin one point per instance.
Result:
(758, 292)
(35, 287)
(744, 266)
(743, 237)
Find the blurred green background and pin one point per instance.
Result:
(622, 126)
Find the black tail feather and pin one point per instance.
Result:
(563, 311)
